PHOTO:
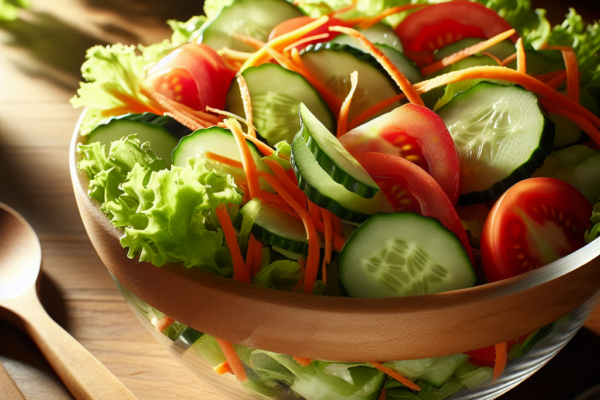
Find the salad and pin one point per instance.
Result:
(362, 149)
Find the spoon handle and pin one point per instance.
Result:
(84, 376)
(9, 390)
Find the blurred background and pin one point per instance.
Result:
(40, 58)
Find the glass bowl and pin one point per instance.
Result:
(188, 350)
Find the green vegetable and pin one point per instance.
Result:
(186, 31)
(281, 274)
(9, 9)
(594, 231)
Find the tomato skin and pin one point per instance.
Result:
(459, 19)
(194, 75)
(507, 246)
(420, 128)
(295, 23)
(394, 174)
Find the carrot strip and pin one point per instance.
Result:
(500, 360)
(344, 9)
(383, 395)
(282, 41)
(374, 109)
(385, 62)
(250, 254)
(306, 39)
(233, 359)
(272, 198)
(305, 362)
(131, 105)
(288, 184)
(509, 59)
(223, 368)
(328, 242)
(178, 110)
(185, 121)
(521, 57)
(490, 55)
(528, 82)
(581, 122)
(247, 101)
(164, 323)
(234, 55)
(337, 227)
(549, 75)
(464, 53)
(556, 81)
(301, 264)
(312, 264)
(572, 71)
(258, 248)
(400, 378)
(421, 58)
(342, 127)
(239, 267)
(204, 116)
(249, 40)
(390, 11)
(247, 160)
(231, 115)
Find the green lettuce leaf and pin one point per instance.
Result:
(187, 31)
(9, 9)
(281, 274)
(212, 8)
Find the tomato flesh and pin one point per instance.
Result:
(536, 222)
(193, 75)
(441, 24)
(295, 23)
(417, 134)
(408, 188)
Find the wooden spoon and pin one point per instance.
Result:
(20, 260)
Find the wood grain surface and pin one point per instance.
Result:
(40, 56)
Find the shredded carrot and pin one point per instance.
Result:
(383, 395)
(312, 264)
(223, 368)
(464, 53)
(500, 360)
(181, 113)
(185, 121)
(321, 36)
(581, 122)
(250, 254)
(421, 58)
(131, 104)
(249, 40)
(287, 183)
(231, 115)
(549, 75)
(247, 160)
(558, 80)
(528, 82)
(233, 359)
(281, 42)
(400, 378)
(342, 127)
(328, 242)
(344, 9)
(258, 248)
(572, 71)
(302, 265)
(239, 267)
(390, 11)
(247, 101)
(272, 198)
(314, 210)
(337, 227)
(493, 57)
(374, 109)
(509, 59)
(206, 118)
(385, 62)
(234, 55)
(305, 362)
(164, 323)
(521, 57)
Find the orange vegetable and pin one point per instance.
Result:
(247, 101)
(287, 182)
(258, 248)
(557, 80)
(250, 254)
(383, 395)
(464, 53)
(374, 109)
(400, 378)
(247, 160)
(249, 40)
(343, 118)
(233, 359)
(328, 242)
(521, 57)
(305, 362)
(223, 368)
(164, 323)
(490, 55)
(509, 59)
(367, 23)
(302, 265)
(572, 71)
(321, 36)
(239, 267)
(500, 360)
(581, 122)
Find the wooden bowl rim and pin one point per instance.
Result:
(413, 307)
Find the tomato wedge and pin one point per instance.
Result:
(535, 222)
(194, 75)
(417, 134)
(438, 25)
(408, 188)
(295, 23)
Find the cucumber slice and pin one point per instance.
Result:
(567, 132)
(403, 254)
(501, 136)
(187, 338)
(219, 141)
(276, 93)
(255, 18)
(378, 34)
(163, 132)
(334, 158)
(322, 190)
(437, 370)
(501, 50)
(332, 64)
(277, 228)
(541, 61)
(577, 165)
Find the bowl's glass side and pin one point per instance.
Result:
(517, 369)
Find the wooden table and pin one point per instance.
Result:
(40, 56)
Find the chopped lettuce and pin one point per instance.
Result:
(212, 8)
(9, 9)
(281, 274)
(594, 232)
(187, 31)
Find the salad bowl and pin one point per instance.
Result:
(339, 328)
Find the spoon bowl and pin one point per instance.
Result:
(20, 267)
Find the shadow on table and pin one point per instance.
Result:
(156, 9)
